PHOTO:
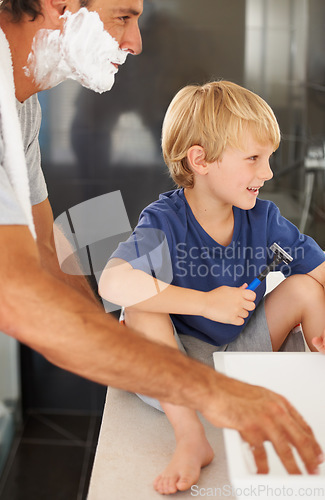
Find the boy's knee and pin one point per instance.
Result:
(145, 320)
(133, 317)
(306, 288)
(315, 289)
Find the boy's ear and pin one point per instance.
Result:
(196, 159)
(54, 9)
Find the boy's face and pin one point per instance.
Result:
(237, 178)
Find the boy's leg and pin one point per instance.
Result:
(192, 448)
(298, 299)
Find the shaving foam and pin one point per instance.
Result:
(83, 51)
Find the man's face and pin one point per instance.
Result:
(90, 46)
(120, 19)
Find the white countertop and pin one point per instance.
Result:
(135, 444)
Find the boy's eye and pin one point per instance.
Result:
(253, 157)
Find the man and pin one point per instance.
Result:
(56, 314)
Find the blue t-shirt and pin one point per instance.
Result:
(170, 244)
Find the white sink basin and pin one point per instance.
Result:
(300, 377)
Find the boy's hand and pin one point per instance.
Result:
(229, 305)
(319, 343)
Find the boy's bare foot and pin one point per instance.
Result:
(192, 453)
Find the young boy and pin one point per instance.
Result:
(186, 267)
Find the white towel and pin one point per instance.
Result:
(14, 156)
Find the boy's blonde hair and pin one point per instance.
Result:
(213, 116)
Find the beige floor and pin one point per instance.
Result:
(135, 443)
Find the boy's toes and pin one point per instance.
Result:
(184, 483)
(319, 343)
(158, 484)
(165, 485)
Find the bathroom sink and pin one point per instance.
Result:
(300, 377)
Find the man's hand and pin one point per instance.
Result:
(319, 343)
(229, 305)
(261, 415)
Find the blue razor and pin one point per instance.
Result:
(279, 256)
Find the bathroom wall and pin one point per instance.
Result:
(315, 111)
(284, 62)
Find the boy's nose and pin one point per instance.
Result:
(266, 172)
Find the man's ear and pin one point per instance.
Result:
(54, 10)
(196, 159)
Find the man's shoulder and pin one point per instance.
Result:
(30, 116)
(30, 108)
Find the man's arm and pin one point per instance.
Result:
(43, 220)
(69, 330)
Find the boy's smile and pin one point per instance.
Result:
(254, 190)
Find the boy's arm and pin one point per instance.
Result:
(121, 284)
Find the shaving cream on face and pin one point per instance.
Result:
(83, 51)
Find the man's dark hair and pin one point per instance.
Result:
(17, 8)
